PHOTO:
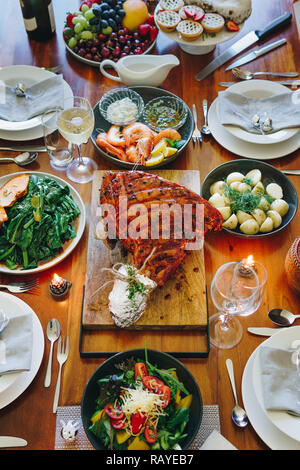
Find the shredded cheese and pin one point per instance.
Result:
(142, 401)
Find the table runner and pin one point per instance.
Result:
(210, 421)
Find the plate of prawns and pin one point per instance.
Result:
(136, 145)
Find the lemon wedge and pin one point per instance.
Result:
(155, 160)
(159, 148)
(170, 151)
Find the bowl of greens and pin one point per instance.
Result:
(42, 220)
(141, 400)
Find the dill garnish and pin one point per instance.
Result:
(134, 285)
(246, 201)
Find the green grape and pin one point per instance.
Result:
(89, 14)
(72, 42)
(78, 28)
(76, 19)
(87, 35)
(107, 30)
(84, 8)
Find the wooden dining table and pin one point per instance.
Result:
(30, 415)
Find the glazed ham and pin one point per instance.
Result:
(160, 256)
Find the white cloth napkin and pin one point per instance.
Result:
(280, 379)
(238, 110)
(16, 344)
(216, 441)
(39, 98)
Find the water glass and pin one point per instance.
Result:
(60, 151)
(262, 275)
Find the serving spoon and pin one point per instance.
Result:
(22, 159)
(239, 415)
(282, 317)
(247, 75)
(53, 333)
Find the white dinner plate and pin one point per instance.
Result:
(259, 89)
(245, 149)
(286, 423)
(13, 385)
(269, 434)
(31, 132)
(69, 245)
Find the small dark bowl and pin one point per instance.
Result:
(269, 174)
(147, 93)
(163, 361)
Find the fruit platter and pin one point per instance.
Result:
(138, 143)
(198, 26)
(109, 29)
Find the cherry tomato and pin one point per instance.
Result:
(232, 26)
(152, 383)
(118, 423)
(150, 433)
(137, 422)
(114, 412)
(165, 391)
(140, 370)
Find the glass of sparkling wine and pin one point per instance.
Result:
(76, 124)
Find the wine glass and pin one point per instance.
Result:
(76, 123)
(234, 291)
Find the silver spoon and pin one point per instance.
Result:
(53, 333)
(205, 129)
(22, 159)
(247, 75)
(239, 415)
(282, 317)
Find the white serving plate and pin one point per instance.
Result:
(259, 89)
(270, 434)
(71, 244)
(14, 384)
(203, 44)
(245, 149)
(289, 425)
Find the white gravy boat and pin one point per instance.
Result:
(145, 69)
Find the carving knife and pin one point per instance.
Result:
(8, 441)
(261, 331)
(243, 43)
(255, 54)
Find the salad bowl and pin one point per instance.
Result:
(153, 361)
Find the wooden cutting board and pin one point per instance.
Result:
(179, 304)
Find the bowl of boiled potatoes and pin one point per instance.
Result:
(254, 198)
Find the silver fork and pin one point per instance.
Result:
(196, 136)
(63, 348)
(17, 287)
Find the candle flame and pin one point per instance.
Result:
(249, 261)
(57, 278)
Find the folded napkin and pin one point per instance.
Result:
(39, 98)
(238, 110)
(16, 344)
(216, 441)
(280, 379)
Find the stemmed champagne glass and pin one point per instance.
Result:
(234, 291)
(76, 124)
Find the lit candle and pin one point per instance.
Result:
(246, 266)
(59, 286)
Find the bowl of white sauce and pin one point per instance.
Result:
(121, 106)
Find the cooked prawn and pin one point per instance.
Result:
(135, 131)
(115, 137)
(103, 143)
(140, 152)
(171, 134)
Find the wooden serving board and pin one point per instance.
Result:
(179, 304)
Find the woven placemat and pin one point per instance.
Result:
(210, 421)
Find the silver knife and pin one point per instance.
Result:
(244, 43)
(255, 54)
(281, 82)
(8, 441)
(25, 149)
(264, 331)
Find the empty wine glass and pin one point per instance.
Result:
(76, 123)
(234, 291)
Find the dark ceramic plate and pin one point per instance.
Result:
(163, 361)
(269, 174)
(147, 93)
